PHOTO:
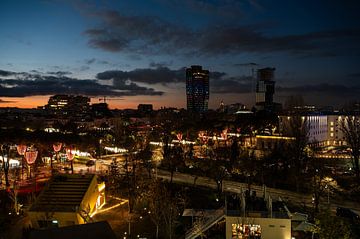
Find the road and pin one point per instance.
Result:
(236, 187)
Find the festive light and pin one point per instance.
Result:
(31, 156)
(21, 148)
(179, 136)
(224, 134)
(57, 147)
(70, 154)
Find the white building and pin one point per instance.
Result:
(316, 125)
(335, 135)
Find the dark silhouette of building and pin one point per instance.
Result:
(265, 89)
(101, 110)
(145, 108)
(197, 89)
(265, 86)
(68, 105)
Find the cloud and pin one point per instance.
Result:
(160, 64)
(94, 60)
(6, 73)
(220, 82)
(246, 64)
(6, 101)
(229, 9)
(90, 61)
(103, 62)
(235, 85)
(138, 33)
(27, 84)
(59, 73)
(321, 94)
(151, 35)
(162, 75)
(84, 68)
(332, 90)
(354, 75)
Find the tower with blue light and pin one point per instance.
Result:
(197, 89)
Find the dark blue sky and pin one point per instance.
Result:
(136, 50)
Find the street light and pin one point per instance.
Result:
(70, 155)
(57, 148)
(328, 193)
(30, 157)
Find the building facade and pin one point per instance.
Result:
(197, 89)
(335, 135)
(68, 105)
(315, 126)
(265, 88)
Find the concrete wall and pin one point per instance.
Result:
(90, 197)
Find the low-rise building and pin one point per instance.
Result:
(68, 199)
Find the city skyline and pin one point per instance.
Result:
(139, 51)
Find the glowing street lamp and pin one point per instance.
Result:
(179, 136)
(31, 157)
(70, 154)
(57, 148)
(21, 148)
(224, 134)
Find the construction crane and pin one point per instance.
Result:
(104, 99)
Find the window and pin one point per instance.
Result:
(246, 231)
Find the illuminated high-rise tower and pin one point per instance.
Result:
(197, 89)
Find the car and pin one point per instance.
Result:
(347, 213)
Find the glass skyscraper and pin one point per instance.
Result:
(197, 89)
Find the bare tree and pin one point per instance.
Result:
(298, 128)
(145, 157)
(350, 126)
(155, 195)
(318, 182)
(172, 157)
(13, 195)
(164, 208)
(5, 150)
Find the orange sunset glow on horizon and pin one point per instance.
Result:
(129, 102)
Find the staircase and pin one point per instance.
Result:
(205, 225)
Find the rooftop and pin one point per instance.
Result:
(64, 193)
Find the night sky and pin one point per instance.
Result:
(136, 51)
